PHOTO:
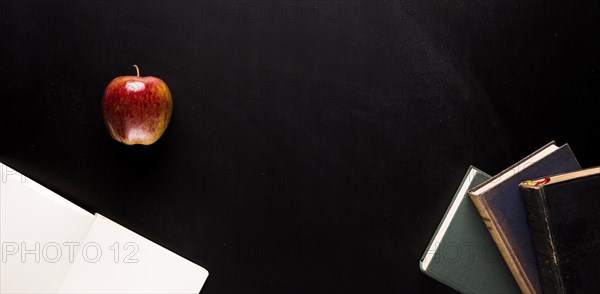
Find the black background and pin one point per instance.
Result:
(314, 145)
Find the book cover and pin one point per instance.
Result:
(501, 207)
(462, 254)
(565, 228)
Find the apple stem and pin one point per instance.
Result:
(137, 70)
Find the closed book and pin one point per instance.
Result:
(462, 254)
(501, 207)
(564, 219)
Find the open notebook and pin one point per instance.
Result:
(50, 245)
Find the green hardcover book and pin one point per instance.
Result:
(462, 253)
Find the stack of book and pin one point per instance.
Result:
(532, 228)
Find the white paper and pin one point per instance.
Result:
(50, 245)
(36, 221)
(114, 259)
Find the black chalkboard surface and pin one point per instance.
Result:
(314, 145)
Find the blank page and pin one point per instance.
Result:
(35, 225)
(114, 259)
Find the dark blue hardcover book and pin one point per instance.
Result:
(501, 207)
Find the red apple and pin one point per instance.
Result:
(137, 110)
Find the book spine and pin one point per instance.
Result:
(541, 235)
(510, 261)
